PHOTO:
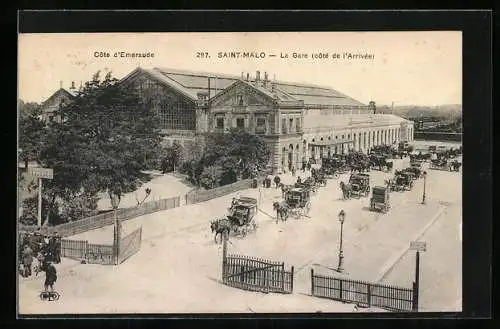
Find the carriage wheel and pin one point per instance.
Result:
(308, 207)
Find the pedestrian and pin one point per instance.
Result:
(277, 180)
(303, 167)
(50, 276)
(299, 180)
(27, 260)
(309, 165)
(56, 248)
(293, 171)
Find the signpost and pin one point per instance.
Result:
(41, 173)
(418, 246)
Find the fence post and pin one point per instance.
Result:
(282, 277)
(291, 280)
(415, 297)
(312, 282)
(224, 256)
(369, 295)
(340, 282)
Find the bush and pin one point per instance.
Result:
(79, 207)
(30, 212)
(211, 177)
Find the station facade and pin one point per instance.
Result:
(298, 121)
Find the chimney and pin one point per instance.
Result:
(60, 85)
(264, 83)
(242, 75)
(257, 76)
(248, 77)
(72, 85)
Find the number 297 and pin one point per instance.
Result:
(202, 55)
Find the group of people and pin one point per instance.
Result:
(44, 251)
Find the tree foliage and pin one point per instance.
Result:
(229, 157)
(106, 140)
(31, 135)
(172, 157)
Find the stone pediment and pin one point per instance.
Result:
(241, 95)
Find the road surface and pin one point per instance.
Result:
(178, 267)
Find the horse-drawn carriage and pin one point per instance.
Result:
(240, 221)
(402, 181)
(319, 177)
(439, 164)
(309, 184)
(380, 199)
(360, 184)
(415, 171)
(298, 201)
(380, 162)
(455, 165)
(334, 166)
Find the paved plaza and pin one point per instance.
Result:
(178, 267)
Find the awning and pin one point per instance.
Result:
(332, 142)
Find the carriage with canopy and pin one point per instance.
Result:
(242, 215)
(402, 181)
(380, 199)
(439, 164)
(360, 184)
(298, 201)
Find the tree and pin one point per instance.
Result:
(172, 157)
(27, 108)
(236, 153)
(109, 136)
(31, 136)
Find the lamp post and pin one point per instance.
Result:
(425, 179)
(340, 268)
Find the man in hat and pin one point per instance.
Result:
(57, 248)
(27, 257)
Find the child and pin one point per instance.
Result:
(50, 276)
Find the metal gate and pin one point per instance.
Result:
(129, 245)
(255, 274)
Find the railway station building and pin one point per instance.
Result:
(298, 121)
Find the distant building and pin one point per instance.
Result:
(61, 97)
(298, 121)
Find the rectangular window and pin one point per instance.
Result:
(298, 127)
(283, 126)
(290, 128)
(261, 126)
(240, 123)
(220, 123)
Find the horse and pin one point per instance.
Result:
(389, 165)
(455, 166)
(220, 226)
(346, 190)
(281, 209)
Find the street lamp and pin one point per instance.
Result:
(340, 268)
(425, 179)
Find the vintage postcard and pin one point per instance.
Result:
(240, 172)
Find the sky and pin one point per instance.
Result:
(407, 68)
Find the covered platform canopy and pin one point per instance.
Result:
(332, 142)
